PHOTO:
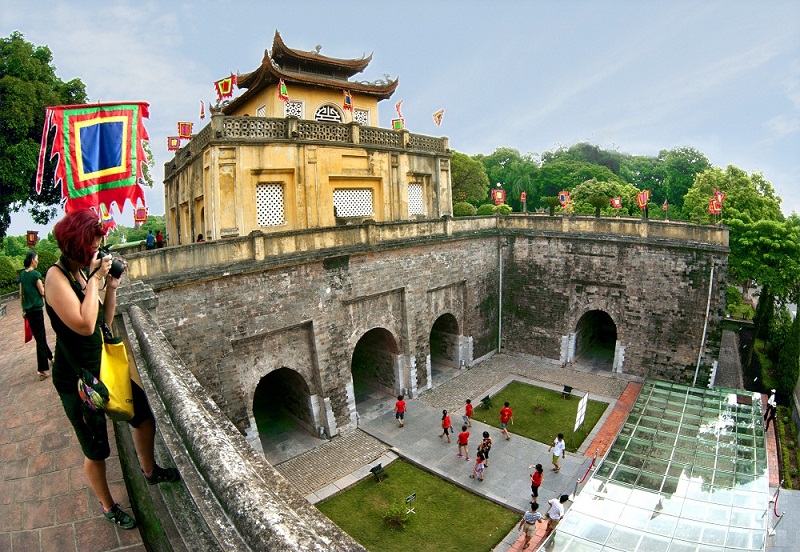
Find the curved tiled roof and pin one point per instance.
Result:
(281, 52)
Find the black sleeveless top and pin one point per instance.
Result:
(72, 349)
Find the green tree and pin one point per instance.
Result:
(583, 192)
(469, 180)
(788, 366)
(679, 167)
(747, 197)
(553, 177)
(28, 84)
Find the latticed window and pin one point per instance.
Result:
(261, 111)
(329, 114)
(361, 116)
(269, 204)
(416, 204)
(352, 203)
(293, 109)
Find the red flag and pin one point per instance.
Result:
(719, 196)
(397, 108)
(564, 198)
(616, 202)
(642, 198)
(714, 207)
(347, 102)
(283, 94)
(202, 110)
(173, 143)
(666, 205)
(398, 124)
(185, 129)
(225, 86)
(100, 152)
(438, 116)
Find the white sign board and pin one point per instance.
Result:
(581, 412)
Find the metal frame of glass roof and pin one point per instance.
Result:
(687, 472)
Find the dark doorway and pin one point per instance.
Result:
(444, 343)
(595, 341)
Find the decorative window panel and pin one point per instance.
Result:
(416, 204)
(293, 109)
(328, 113)
(269, 204)
(261, 111)
(352, 203)
(361, 116)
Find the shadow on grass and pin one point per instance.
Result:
(446, 516)
(541, 414)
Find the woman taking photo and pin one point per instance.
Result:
(74, 286)
(31, 292)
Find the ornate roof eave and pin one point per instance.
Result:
(281, 51)
(268, 74)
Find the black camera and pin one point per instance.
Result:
(117, 266)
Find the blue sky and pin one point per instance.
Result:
(636, 76)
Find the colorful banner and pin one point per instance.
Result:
(347, 102)
(283, 94)
(397, 108)
(100, 153)
(140, 215)
(398, 124)
(616, 202)
(173, 143)
(438, 116)
(642, 198)
(666, 205)
(498, 195)
(185, 129)
(719, 196)
(202, 110)
(224, 87)
(714, 207)
(564, 198)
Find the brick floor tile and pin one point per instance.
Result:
(6, 493)
(8, 451)
(54, 484)
(40, 464)
(69, 458)
(97, 535)
(5, 541)
(77, 479)
(25, 541)
(52, 426)
(29, 447)
(60, 538)
(75, 506)
(12, 519)
(55, 441)
(39, 513)
(15, 469)
(24, 490)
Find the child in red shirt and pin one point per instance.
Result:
(400, 410)
(446, 426)
(536, 480)
(463, 442)
(505, 416)
(467, 417)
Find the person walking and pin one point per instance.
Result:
(484, 447)
(463, 443)
(506, 415)
(559, 448)
(31, 294)
(446, 426)
(536, 479)
(468, 411)
(400, 410)
(772, 410)
(76, 312)
(528, 523)
(477, 471)
(554, 514)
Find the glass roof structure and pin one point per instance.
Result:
(687, 472)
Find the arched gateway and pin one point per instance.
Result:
(595, 345)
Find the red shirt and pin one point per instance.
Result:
(400, 406)
(505, 414)
(469, 410)
(536, 479)
(463, 438)
(446, 421)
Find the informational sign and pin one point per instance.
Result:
(581, 412)
(408, 501)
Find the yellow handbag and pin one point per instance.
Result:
(115, 375)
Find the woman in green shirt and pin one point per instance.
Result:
(31, 293)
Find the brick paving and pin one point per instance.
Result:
(45, 502)
(613, 424)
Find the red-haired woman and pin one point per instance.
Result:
(73, 286)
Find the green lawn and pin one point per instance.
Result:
(541, 414)
(447, 517)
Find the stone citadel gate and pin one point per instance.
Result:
(306, 318)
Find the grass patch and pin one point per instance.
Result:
(540, 414)
(447, 517)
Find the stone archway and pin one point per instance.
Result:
(283, 415)
(445, 350)
(375, 369)
(595, 341)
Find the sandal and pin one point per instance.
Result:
(42, 376)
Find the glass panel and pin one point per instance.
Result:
(650, 481)
(654, 543)
(688, 530)
(661, 524)
(623, 538)
(593, 530)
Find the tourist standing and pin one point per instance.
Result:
(536, 479)
(468, 410)
(400, 410)
(484, 447)
(528, 523)
(772, 410)
(159, 239)
(150, 240)
(446, 426)
(506, 416)
(463, 442)
(554, 514)
(31, 293)
(559, 448)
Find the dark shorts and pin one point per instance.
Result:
(400, 415)
(91, 428)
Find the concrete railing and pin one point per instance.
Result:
(260, 246)
(243, 501)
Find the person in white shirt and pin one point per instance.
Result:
(559, 448)
(772, 409)
(554, 514)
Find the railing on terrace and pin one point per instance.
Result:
(227, 128)
(260, 247)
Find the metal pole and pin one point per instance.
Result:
(705, 326)
(500, 303)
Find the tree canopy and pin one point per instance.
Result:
(28, 84)
(469, 180)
